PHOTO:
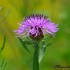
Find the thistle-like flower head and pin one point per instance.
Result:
(36, 26)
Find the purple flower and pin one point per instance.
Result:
(36, 26)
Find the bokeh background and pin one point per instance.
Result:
(14, 56)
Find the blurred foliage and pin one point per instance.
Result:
(13, 11)
(3, 64)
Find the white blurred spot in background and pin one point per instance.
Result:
(1, 8)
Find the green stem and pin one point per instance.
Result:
(35, 59)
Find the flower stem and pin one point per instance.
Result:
(35, 59)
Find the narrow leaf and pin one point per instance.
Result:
(41, 53)
(2, 63)
(27, 42)
(23, 44)
(43, 49)
(4, 66)
(3, 45)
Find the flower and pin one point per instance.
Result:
(36, 26)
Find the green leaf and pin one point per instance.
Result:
(43, 48)
(3, 65)
(41, 53)
(3, 45)
(35, 59)
(27, 42)
(24, 44)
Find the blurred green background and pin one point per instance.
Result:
(13, 12)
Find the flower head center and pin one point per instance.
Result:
(38, 35)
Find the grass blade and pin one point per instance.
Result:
(3, 45)
(4, 66)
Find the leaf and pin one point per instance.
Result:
(35, 60)
(27, 42)
(3, 44)
(3, 65)
(24, 44)
(41, 53)
(43, 48)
